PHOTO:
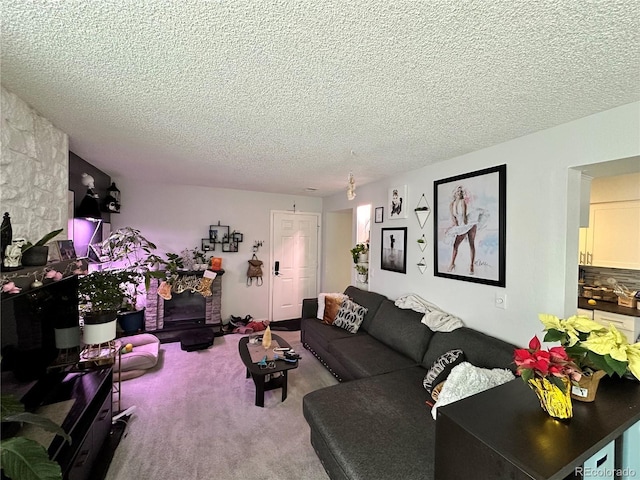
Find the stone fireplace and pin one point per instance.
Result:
(186, 309)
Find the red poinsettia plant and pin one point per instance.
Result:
(553, 364)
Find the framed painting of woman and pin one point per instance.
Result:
(470, 230)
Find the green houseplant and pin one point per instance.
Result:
(102, 295)
(35, 254)
(363, 273)
(358, 250)
(20, 457)
(129, 251)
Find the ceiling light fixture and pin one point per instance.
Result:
(351, 187)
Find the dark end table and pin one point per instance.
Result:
(258, 373)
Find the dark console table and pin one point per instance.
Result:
(503, 432)
(88, 422)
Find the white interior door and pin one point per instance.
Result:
(294, 271)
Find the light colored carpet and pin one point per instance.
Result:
(196, 419)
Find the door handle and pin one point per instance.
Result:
(277, 269)
(581, 258)
(589, 258)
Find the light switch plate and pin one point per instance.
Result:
(501, 300)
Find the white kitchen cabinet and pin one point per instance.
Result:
(626, 324)
(583, 312)
(613, 236)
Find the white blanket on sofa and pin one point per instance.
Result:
(436, 319)
(466, 379)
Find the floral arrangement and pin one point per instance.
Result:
(553, 364)
(593, 346)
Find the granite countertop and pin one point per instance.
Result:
(608, 307)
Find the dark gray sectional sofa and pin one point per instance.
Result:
(375, 423)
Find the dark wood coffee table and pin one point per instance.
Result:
(258, 373)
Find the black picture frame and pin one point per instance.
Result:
(379, 215)
(393, 251)
(471, 202)
(237, 237)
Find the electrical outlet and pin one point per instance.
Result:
(501, 300)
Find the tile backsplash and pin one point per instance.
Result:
(597, 276)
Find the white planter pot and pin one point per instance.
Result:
(99, 333)
(363, 258)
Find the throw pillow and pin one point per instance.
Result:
(331, 307)
(441, 369)
(321, 302)
(350, 316)
(466, 380)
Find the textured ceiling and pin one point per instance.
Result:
(282, 95)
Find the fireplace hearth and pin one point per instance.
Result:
(185, 311)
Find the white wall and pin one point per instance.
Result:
(542, 223)
(176, 217)
(35, 171)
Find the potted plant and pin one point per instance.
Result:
(20, 457)
(129, 250)
(360, 253)
(597, 350)
(363, 273)
(102, 295)
(549, 374)
(36, 254)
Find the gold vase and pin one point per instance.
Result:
(552, 399)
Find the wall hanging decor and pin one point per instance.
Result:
(397, 202)
(469, 226)
(394, 250)
(422, 265)
(422, 211)
(422, 242)
(379, 214)
(219, 234)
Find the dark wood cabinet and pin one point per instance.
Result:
(88, 421)
(503, 433)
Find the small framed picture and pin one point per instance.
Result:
(379, 214)
(237, 237)
(66, 249)
(398, 202)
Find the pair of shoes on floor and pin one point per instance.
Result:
(240, 322)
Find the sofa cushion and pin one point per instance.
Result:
(321, 302)
(364, 356)
(479, 349)
(441, 369)
(323, 334)
(350, 316)
(369, 300)
(367, 422)
(401, 329)
(331, 308)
